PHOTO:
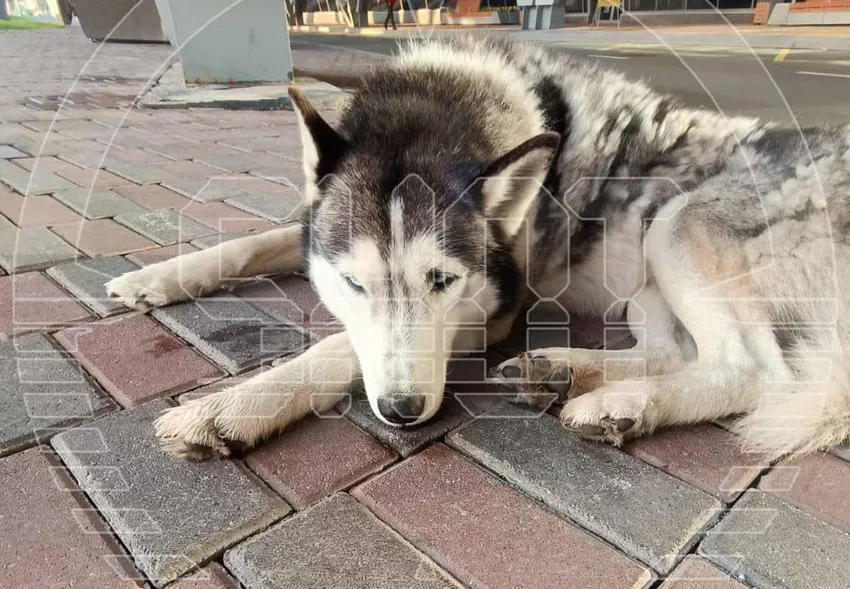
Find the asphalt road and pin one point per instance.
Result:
(810, 88)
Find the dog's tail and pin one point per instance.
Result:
(805, 416)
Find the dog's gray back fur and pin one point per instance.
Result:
(444, 109)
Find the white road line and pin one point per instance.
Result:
(824, 74)
(606, 56)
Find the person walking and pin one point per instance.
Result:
(390, 16)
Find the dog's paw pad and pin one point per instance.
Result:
(624, 424)
(605, 429)
(537, 376)
(587, 430)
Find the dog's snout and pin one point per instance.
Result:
(401, 409)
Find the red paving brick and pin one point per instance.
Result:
(317, 457)
(103, 237)
(818, 484)
(488, 535)
(212, 576)
(49, 536)
(224, 218)
(92, 178)
(34, 210)
(704, 456)
(30, 302)
(220, 385)
(135, 359)
(152, 196)
(696, 573)
(160, 254)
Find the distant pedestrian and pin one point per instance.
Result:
(390, 16)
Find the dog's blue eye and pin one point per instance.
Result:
(354, 284)
(440, 281)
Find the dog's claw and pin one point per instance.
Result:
(541, 363)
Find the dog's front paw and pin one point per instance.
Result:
(538, 380)
(606, 416)
(154, 286)
(196, 431)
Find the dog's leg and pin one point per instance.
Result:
(244, 415)
(540, 375)
(621, 410)
(706, 281)
(191, 275)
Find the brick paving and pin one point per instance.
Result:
(486, 495)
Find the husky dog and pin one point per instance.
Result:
(467, 180)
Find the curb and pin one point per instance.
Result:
(172, 92)
(611, 39)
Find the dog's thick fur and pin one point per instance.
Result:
(467, 180)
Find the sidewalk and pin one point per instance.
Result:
(718, 37)
(486, 495)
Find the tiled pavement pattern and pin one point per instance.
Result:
(505, 499)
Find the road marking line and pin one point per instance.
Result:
(824, 74)
(782, 55)
(606, 56)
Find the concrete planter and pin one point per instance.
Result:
(427, 16)
(779, 15)
(119, 20)
(484, 17)
(220, 41)
(165, 17)
(334, 17)
(377, 17)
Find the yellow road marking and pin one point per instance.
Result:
(783, 53)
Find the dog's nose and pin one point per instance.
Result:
(401, 410)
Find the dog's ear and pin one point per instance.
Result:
(510, 183)
(322, 146)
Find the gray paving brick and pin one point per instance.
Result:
(85, 279)
(768, 544)
(466, 397)
(99, 203)
(6, 223)
(32, 248)
(164, 226)
(408, 440)
(9, 152)
(276, 207)
(645, 512)
(19, 179)
(463, 401)
(336, 544)
(42, 389)
(170, 514)
(230, 332)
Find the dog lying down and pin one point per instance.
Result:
(468, 179)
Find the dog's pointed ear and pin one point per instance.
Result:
(321, 145)
(510, 183)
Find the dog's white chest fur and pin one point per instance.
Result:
(605, 279)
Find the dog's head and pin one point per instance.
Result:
(413, 249)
